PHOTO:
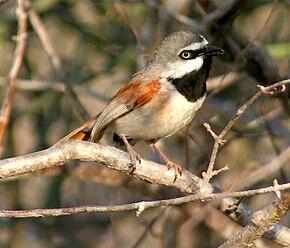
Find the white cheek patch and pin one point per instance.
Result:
(179, 68)
(182, 67)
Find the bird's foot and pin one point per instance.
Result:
(175, 167)
(135, 158)
(170, 165)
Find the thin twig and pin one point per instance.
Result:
(55, 61)
(138, 206)
(218, 138)
(118, 160)
(148, 228)
(14, 71)
(39, 85)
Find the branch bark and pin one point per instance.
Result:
(262, 221)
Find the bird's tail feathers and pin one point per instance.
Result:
(83, 132)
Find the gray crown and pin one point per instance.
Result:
(168, 50)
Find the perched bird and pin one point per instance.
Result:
(160, 99)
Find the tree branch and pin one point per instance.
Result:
(219, 139)
(119, 160)
(55, 61)
(262, 221)
(14, 71)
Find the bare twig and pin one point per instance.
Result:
(119, 160)
(43, 36)
(138, 206)
(39, 85)
(262, 221)
(148, 228)
(14, 71)
(111, 157)
(219, 139)
(88, 151)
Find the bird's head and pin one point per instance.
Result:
(183, 52)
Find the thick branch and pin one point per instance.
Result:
(88, 151)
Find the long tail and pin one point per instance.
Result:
(83, 132)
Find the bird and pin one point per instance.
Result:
(159, 99)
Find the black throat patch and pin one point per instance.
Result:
(193, 85)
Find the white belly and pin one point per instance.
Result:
(155, 120)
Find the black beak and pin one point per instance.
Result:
(212, 50)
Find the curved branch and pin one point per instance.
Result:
(88, 151)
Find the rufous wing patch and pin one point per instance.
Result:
(137, 94)
(131, 96)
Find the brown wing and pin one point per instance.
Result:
(137, 94)
(131, 96)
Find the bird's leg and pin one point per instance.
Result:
(170, 165)
(134, 156)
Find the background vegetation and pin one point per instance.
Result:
(100, 45)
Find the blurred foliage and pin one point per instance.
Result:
(99, 51)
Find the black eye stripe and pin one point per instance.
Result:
(193, 53)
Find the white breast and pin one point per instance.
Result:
(155, 120)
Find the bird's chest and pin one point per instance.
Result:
(177, 113)
(159, 118)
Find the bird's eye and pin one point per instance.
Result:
(186, 55)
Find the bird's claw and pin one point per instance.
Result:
(135, 159)
(176, 168)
